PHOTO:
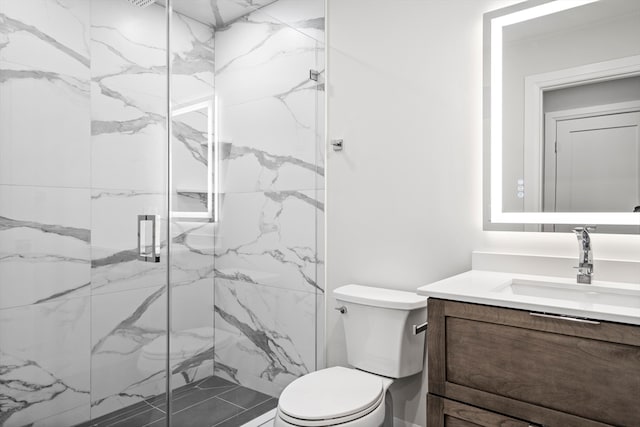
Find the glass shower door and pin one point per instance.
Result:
(129, 210)
(247, 288)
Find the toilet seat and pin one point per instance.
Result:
(331, 396)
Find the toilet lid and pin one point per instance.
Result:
(331, 393)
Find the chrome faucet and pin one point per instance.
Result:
(585, 261)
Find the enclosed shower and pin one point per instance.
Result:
(161, 209)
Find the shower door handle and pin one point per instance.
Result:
(148, 238)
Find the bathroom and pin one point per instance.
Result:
(403, 201)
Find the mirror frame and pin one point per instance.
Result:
(494, 217)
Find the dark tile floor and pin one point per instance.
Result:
(210, 402)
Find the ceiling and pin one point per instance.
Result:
(217, 13)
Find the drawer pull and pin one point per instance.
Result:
(569, 318)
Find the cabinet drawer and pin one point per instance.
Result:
(549, 371)
(443, 412)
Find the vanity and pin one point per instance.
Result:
(512, 349)
(523, 350)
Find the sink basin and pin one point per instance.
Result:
(578, 293)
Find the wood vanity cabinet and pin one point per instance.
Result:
(492, 366)
(449, 413)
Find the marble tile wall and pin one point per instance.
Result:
(45, 223)
(269, 293)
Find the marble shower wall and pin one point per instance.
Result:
(82, 153)
(269, 288)
(45, 222)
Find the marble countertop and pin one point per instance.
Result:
(583, 301)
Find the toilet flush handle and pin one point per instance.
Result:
(418, 329)
(342, 309)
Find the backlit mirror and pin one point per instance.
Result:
(562, 115)
(194, 161)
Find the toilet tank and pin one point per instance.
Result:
(378, 325)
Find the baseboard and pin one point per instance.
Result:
(262, 419)
(397, 422)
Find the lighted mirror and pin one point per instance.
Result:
(193, 161)
(562, 115)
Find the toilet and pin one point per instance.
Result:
(381, 346)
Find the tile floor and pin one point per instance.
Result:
(210, 402)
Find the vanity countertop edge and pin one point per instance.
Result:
(482, 287)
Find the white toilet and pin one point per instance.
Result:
(381, 345)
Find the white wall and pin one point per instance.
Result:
(404, 202)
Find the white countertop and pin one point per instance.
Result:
(492, 288)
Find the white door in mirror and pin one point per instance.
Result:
(597, 163)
